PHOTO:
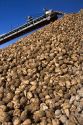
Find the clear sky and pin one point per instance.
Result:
(14, 12)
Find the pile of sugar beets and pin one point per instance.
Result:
(41, 76)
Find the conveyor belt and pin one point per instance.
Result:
(27, 27)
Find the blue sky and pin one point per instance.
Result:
(14, 12)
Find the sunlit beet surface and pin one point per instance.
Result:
(41, 76)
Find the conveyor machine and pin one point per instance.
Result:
(32, 24)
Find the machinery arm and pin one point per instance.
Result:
(59, 13)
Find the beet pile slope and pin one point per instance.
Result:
(41, 76)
